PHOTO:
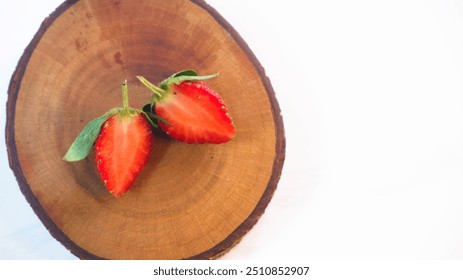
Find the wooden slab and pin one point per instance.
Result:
(191, 201)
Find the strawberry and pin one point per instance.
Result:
(122, 149)
(189, 110)
(123, 143)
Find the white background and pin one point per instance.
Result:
(371, 94)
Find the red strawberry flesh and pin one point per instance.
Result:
(195, 113)
(122, 149)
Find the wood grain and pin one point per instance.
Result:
(190, 201)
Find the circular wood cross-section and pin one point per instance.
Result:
(191, 201)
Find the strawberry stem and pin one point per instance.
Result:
(157, 91)
(125, 98)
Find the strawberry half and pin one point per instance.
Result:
(189, 110)
(123, 143)
(122, 149)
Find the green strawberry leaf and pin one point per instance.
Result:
(153, 118)
(185, 75)
(187, 72)
(81, 146)
(147, 108)
(149, 115)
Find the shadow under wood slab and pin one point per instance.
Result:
(190, 201)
